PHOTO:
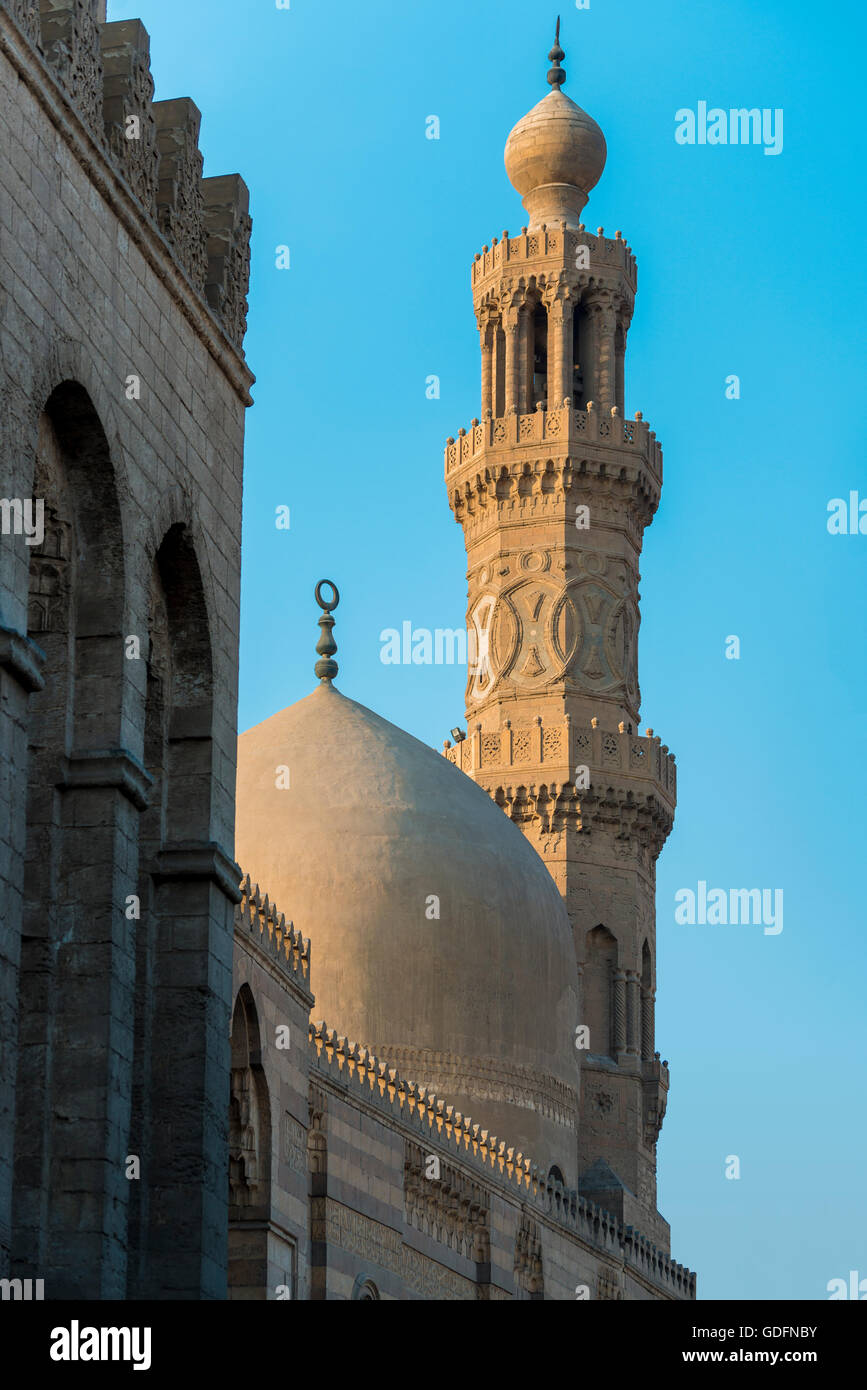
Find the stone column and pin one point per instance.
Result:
(510, 328)
(633, 1037)
(618, 1044)
(647, 1024)
(619, 365)
(186, 1235)
(559, 327)
(605, 326)
(83, 1213)
(498, 370)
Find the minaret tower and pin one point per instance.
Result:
(553, 488)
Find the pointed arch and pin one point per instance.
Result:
(80, 820)
(599, 971)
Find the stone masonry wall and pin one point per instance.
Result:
(123, 277)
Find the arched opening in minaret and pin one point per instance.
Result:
(619, 357)
(540, 355)
(580, 357)
(499, 372)
(647, 1039)
(599, 990)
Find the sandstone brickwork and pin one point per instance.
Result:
(553, 488)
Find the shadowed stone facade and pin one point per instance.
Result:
(123, 396)
(172, 1123)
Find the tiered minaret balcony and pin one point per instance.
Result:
(549, 460)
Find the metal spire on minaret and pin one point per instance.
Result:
(326, 668)
(557, 75)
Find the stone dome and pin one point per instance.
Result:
(554, 156)
(475, 995)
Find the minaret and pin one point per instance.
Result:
(553, 488)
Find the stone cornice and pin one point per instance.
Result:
(108, 768)
(22, 659)
(199, 860)
(93, 158)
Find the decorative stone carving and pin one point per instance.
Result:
(228, 227)
(50, 577)
(70, 41)
(449, 1208)
(127, 108)
(609, 1283)
(381, 1245)
(294, 1144)
(244, 1157)
(180, 202)
(529, 1273)
(26, 15)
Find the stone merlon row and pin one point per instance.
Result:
(277, 937)
(104, 70)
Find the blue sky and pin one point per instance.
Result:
(748, 264)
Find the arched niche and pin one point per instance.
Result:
(601, 963)
(75, 869)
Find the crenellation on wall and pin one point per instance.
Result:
(180, 201)
(269, 930)
(103, 71)
(70, 41)
(127, 107)
(432, 1126)
(228, 226)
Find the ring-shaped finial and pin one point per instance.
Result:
(327, 607)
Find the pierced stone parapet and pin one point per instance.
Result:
(554, 246)
(531, 775)
(228, 226)
(180, 202)
(127, 107)
(563, 745)
(257, 917)
(564, 430)
(543, 465)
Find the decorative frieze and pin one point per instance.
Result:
(381, 1245)
(442, 1202)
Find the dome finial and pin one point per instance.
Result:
(325, 668)
(557, 75)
